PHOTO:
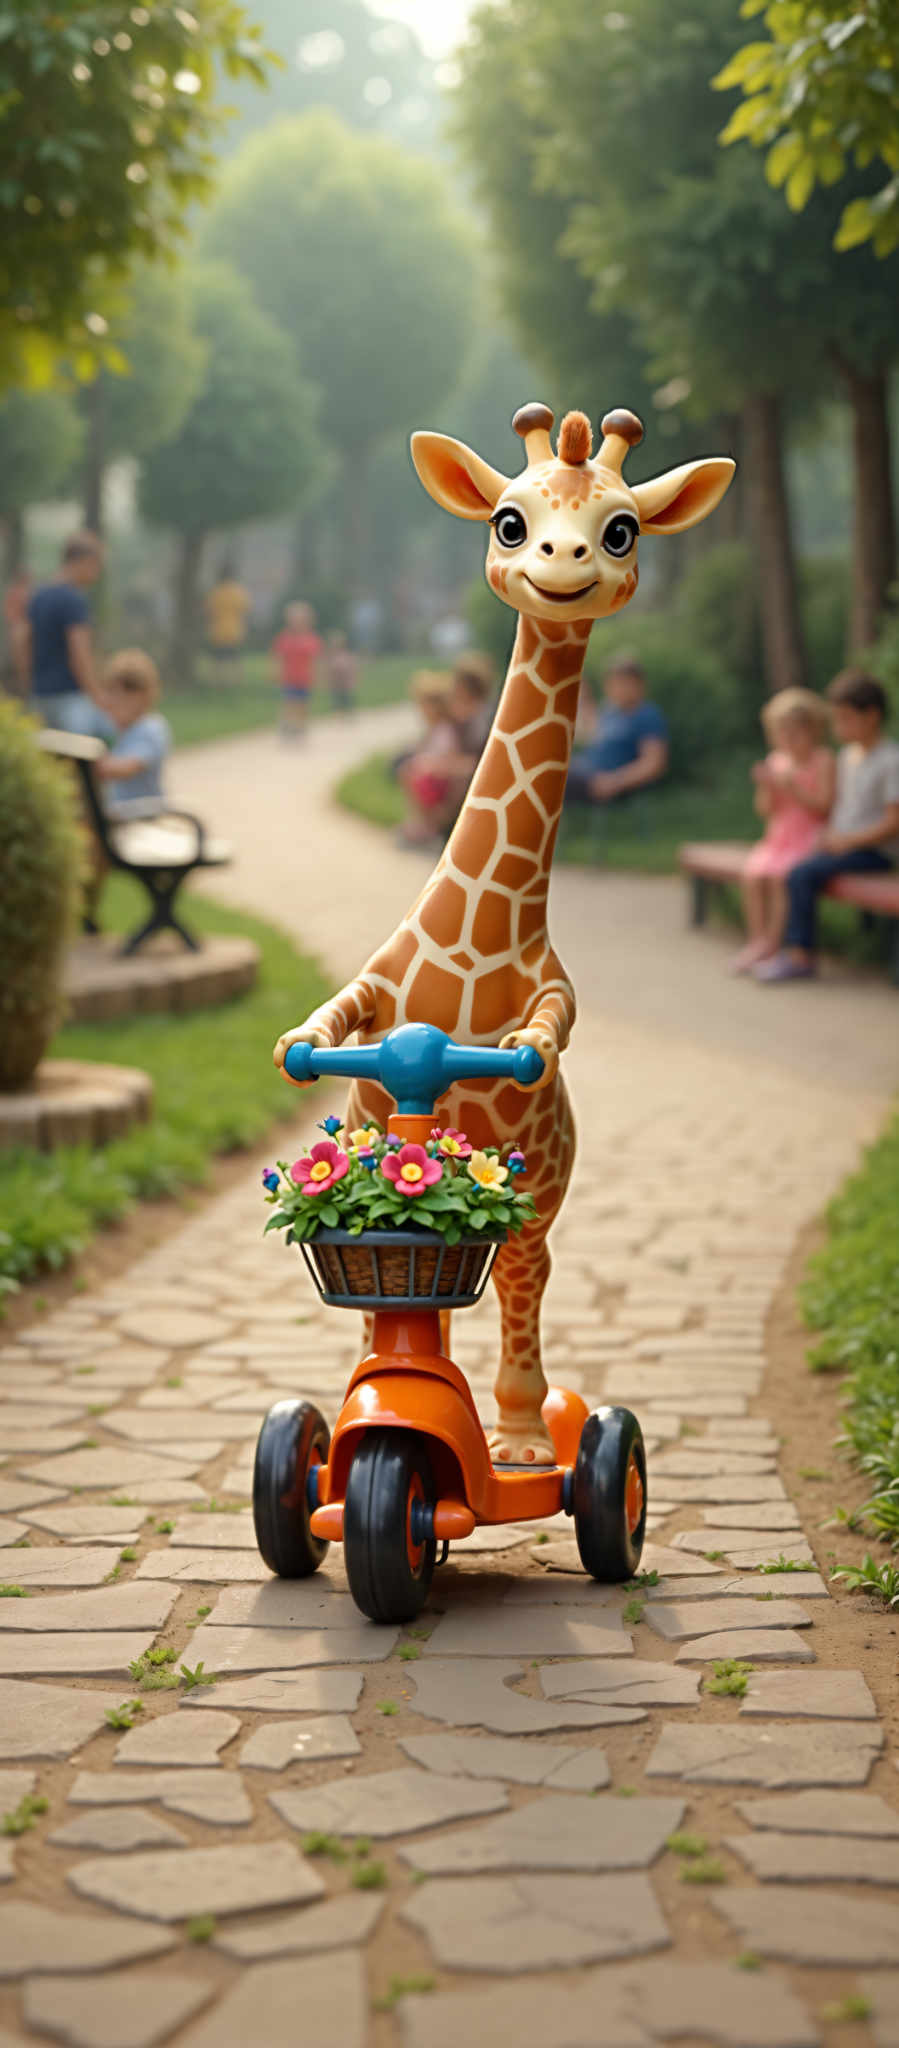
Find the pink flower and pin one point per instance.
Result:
(410, 1170)
(453, 1144)
(324, 1165)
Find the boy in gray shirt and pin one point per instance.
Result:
(862, 836)
(141, 737)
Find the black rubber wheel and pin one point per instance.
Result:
(609, 1495)
(389, 1572)
(293, 1437)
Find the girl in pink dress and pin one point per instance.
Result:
(794, 791)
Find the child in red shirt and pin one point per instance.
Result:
(296, 651)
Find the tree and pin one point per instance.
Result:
(335, 53)
(40, 435)
(350, 244)
(247, 447)
(822, 94)
(108, 112)
(128, 411)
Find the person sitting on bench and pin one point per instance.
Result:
(862, 836)
(132, 769)
(629, 749)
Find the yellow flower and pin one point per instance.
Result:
(487, 1172)
(361, 1140)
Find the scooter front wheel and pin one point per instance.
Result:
(389, 1559)
(609, 1494)
(293, 1438)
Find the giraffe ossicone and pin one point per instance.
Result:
(473, 953)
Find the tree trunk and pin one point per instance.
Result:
(13, 544)
(768, 515)
(95, 454)
(186, 620)
(873, 505)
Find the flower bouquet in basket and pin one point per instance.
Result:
(388, 1220)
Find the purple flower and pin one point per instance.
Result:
(394, 1142)
(331, 1125)
(517, 1163)
(270, 1179)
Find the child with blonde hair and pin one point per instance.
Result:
(424, 774)
(131, 771)
(794, 791)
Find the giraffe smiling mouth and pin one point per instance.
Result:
(562, 596)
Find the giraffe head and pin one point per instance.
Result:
(563, 533)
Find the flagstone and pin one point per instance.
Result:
(326, 1995)
(189, 1426)
(121, 1606)
(91, 1652)
(540, 1923)
(17, 1494)
(157, 1885)
(279, 1743)
(765, 1586)
(468, 1695)
(754, 1515)
(882, 1995)
(35, 1938)
(43, 1565)
(720, 1753)
(817, 1859)
(335, 1923)
(560, 1831)
(132, 2009)
(49, 1720)
(204, 1567)
(15, 1786)
(11, 1531)
(289, 1692)
(316, 1602)
(729, 1491)
(115, 1829)
(178, 1738)
(519, 1763)
(169, 1491)
(823, 1813)
(706, 1617)
(120, 1470)
(529, 1632)
(94, 1524)
(217, 1797)
(835, 1695)
(173, 1328)
(386, 1803)
(803, 1925)
(214, 1532)
(607, 1683)
(228, 1650)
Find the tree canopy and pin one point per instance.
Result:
(822, 94)
(108, 112)
(41, 435)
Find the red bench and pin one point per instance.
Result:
(707, 864)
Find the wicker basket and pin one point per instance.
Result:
(398, 1268)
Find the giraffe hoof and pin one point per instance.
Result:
(526, 1443)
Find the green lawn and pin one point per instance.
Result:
(851, 1295)
(215, 1087)
(214, 708)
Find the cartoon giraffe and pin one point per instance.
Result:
(473, 954)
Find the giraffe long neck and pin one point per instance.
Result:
(506, 830)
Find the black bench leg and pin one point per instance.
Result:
(162, 918)
(699, 899)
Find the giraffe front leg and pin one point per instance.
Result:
(520, 1436)
(548, 1029)
(330, 1025)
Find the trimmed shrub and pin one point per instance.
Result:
(717, 607)
(824, 592)
(40, 866)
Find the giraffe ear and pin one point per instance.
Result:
(456, 476)
(684, 496)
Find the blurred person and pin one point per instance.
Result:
(471, 707)
(297, 651)
(794, 790)
(130, 773)
(862, 835)
(630, 746)
(15, 620)
(54, 645)
(227, 607)
(342, 669)
(425, 773)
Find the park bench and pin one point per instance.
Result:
(710, 865)
(156, 844)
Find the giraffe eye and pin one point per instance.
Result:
(510, 527)
(620, 535)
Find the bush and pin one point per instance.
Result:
(883, 662)
(40, 860)
(717, 608)
(492, 622)
(824, 603)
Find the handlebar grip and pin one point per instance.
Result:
(527, 1066)
(415, 1063)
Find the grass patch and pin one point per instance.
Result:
(730, 1677)
(201, 1928)
(216, 1092)
(402, 1987)
(684, 1844)
(632, 1612)
(851, 1295)
(124, 1716)
(23, 1816)
(369, 1877)
(783, 1564)
(706, 1870)
(216, 709)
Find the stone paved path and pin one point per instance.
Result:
(482, 1805)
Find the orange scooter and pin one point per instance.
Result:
(408, 1465)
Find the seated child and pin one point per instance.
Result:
(131, 771)
(423, 772)
(863, 834)
(296, 651)
(343, 672)
(794, 788)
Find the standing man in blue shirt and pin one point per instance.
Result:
(629, 749)
(55, 650)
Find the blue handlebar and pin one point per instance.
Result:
(416, 1064)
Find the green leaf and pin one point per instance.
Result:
(855, 226)
(783, 158)
(800, 185)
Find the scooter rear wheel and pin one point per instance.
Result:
(293, 1438)
(609, 1494)
(389, 1563)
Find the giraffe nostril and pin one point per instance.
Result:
(579, 553)
(546, 547)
